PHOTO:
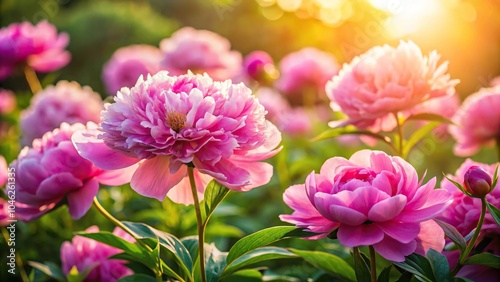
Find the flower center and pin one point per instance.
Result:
(176, 121)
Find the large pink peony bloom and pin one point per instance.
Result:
(305, 69)
(200, 51)
(38, 46)
(84, 253)
(52, 172)
(387, 80)
(66, 102)
(370, 199)
(127, 64)
(478, 121)
(171, 122)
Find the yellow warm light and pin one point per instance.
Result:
(289, 5)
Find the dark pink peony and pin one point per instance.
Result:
(65, 102)
(170, 122)
(386, 80)
(200, 51)
(477, 121)
(370, 199)
(39, 46)
(259, 66)
(127, 64)
(52, 172)
(4, 213)
(84, 253)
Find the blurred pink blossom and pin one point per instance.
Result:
(495, 81)
(39, 46)
(174, 121)
(386, 80)
(259, 66)
(306, 69)
(84, 253)
(4, 213)
(52, 172)
(65, 102)
(273, 102)
(7, 101)
(3, 171)
(477, 121)
(370, 199)
(200, 51)
(295, 121)
(127, 64)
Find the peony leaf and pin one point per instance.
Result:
(215, 262)
(430, 117)
(495, 179)
(458, 185)
(246, 275)
(452, 233)
(339, 131)
(262, 238)
(330, 263)
(385, 275)
(361, 266)
(50, 269)
(214, 194)
(495, 212)
(439, 264)
(419, 266)
(486, 259)
(137, 278)
(417, 136)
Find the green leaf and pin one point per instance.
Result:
(430, 117)
(486, 259)
(362, 270)
(439, 264)
(215, 261)
(257, 255)
(419, 266)
(418, 135)
(191, 244)
(262, 238)
(247, 275)
(328, 262)
(452, 233)
(339, 131)
(495, 212)
(138, 278)
(50, 269)
(214, 194)
(169, 241)
(495, 179)
(458, 185)
(385, 275)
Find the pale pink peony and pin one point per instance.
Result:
(200, 51)
(370, 199)
(52, 172)
(7, 101)
(477, 121)
(273, 102)
(84, 253)
(306, 69)
(39, 46)
(174, 121)
(295, 121)
(127, 64)
(4, 170)
(387, 80)
(65, 102)
(495, 81)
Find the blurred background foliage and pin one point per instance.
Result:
(467, 33)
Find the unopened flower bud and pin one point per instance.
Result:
(477, 182)
(260, 66)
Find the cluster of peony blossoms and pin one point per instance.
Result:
(39, 47)
(372, 199)
(84, 254)
(52, 172)
(167, 123)
(65, 102)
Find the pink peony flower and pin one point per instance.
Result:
(66, 102)
(52, 172)
(464, 213)
(127, 64)
(84, 253)
(370, 199)
(39, 46)
(3, 171)
(308, 68)
(387, 80)
(7, 101)
(4, 213)
(273, 102)
(295, 121)
(174, 121)
(259, 66)
(200, 51)
(478, 121)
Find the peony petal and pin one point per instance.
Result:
(359, 235)
(79, 201)
(57, 185)
(95, 150)
(431, 235)
(387, 209)
(153, 178)
(225, 172)
(117, 176)
(393, 250)
(181, 193)
(333, 208)
(403, 232)
(260, 173)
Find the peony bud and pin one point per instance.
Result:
(477, 182)
(260, 66)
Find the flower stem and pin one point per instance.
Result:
(472, 241)
(399, 127)
(200, 223)
(19, 261)
(373, 265)
(32, 79)
(498, 148)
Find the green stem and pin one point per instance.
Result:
(19, 261)
(32, 79)
(399, 127)
(373, 265)
(498, 147)
(472, 241)
(200, 223)
(118, 223)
